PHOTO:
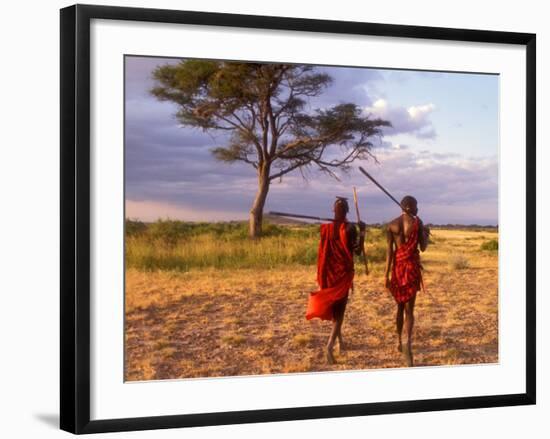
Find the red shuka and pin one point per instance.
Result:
(334, 271)
(406, 275)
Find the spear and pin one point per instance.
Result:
(359, 220)
(295, 215)
(371, 178)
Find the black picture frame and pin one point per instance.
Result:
(75, 217)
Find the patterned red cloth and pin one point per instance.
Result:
(334, 271)
(406, 276)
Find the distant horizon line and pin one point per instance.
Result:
(303, 222)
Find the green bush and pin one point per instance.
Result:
(134, 228)
(491, 245)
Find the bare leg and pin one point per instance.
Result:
(409, 323)
(341, 345)
(338, 310)
(331, 340)
(399, 325)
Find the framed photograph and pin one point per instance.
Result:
(275, 218)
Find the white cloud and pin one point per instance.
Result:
(450, 188)
(421, 111)
(414, 119)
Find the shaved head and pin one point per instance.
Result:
(409, 204)
(343, 201)
(341, 208)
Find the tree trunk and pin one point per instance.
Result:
(257, 211)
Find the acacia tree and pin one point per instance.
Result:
(263, 109)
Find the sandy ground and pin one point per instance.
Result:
(228, 323)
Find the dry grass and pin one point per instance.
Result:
(212, 322)
(459, 262)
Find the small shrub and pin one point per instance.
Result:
(459, 262)
(134, 228)
(491, 245)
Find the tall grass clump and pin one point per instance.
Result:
(491, 245)
(133, 228)
(459, 262)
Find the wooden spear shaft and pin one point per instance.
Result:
(358, 221)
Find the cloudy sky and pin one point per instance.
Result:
(442, 148)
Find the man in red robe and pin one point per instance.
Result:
(405, 234)
(335, 272)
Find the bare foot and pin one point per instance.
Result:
(330, 356)
(408, 356)
(341, 344)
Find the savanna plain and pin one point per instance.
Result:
(203, 300)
